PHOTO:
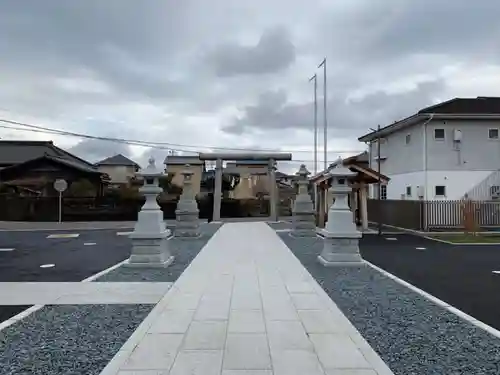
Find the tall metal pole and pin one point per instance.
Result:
(315, 79)
(325, 114)
(378, 184)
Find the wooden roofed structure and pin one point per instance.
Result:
(359, 195)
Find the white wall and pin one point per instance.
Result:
(457, 183)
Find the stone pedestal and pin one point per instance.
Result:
(304, 224)
(187, 220)
(340, 236)
(150, 246)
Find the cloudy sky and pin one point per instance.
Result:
(227, 73)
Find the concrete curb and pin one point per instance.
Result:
(34, 308)
(439, 302)
(426, 235)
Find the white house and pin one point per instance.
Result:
(443, 152)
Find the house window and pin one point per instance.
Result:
(493, 133)
(440, 191)
(439, 134)
(408, 139)
(494, 190)
(408, 191)
(383, 192)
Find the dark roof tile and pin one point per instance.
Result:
(118, 159)
(482, 105)
(17, 152)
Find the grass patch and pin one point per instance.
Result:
(469, 238)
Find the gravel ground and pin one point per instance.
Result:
(184, 250)
(82, 339)
(411, 334)
(68, 339)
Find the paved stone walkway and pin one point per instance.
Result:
(78, 293)
(246, 306)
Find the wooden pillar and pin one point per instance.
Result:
(217, 190)
(363, 206)
(321, 206)
(354, 203)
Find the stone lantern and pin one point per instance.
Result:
(150, 247)
(340, 236)
(304, 223)
(187, 220)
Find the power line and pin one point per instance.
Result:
(148, 143)
(141, 144)
(155, 145)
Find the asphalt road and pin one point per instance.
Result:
(73, 260)
(459, 275)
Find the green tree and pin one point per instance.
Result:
(229, 182)
(81, 188)
(168, 186)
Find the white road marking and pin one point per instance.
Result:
(123, 233)
(5, 250)
(89, 243)
(420, 248)
(47, 265)
(497, 272)
(64, 235)
(391, 238)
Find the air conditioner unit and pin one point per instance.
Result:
(457, 135)
(420, 191)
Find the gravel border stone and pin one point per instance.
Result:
(68, 339)
(184, 250)
(411, 334)
(281, 225)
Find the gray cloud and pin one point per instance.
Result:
(273, 53)
(345, 118)
(95, 150)
(375, 32)
(156, 71)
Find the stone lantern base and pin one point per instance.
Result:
(340, 249)
(304, 225)
(187, 224)
(150, 252)
(150, 242)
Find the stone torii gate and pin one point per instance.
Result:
(271, 158)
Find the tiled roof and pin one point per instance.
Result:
(15, 168)
(183, 159)
(466, 107)
(118, 159)
(482, 105)
(17, 152)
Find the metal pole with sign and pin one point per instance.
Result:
(60, 186)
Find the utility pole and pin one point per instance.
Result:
(378, 184)
(325, 114)
(315, 79)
